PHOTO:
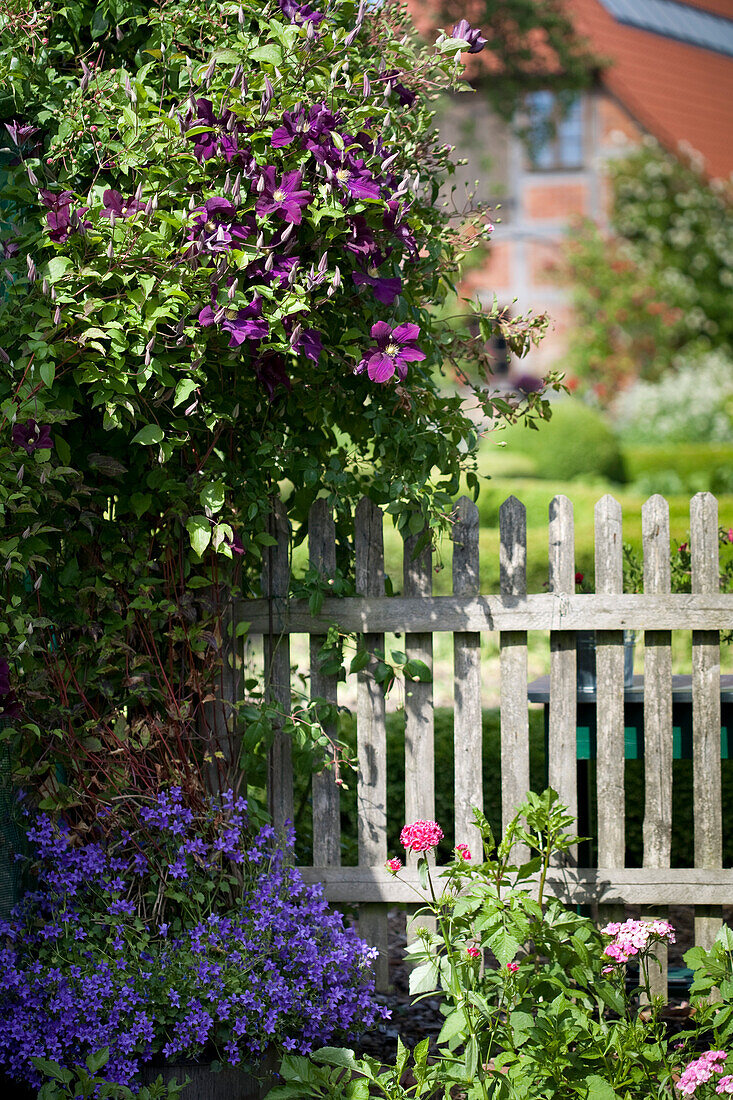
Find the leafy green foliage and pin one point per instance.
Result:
(534, 1006)
(656, 292)
(84, 1083)
(185, 336)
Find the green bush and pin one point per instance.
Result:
(685, 468)
(576, 443)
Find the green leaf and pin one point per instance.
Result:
(96, 1060)
(338, 1056)
(359, 661)
(504, 946)
(48, 373)
(199, 530)
(269, 52)
(725, 936)
(417, 670)
(598, 1089)
(140, 503)
(184, 389)
(212, 496)
(56, 267)
(149, 435)
(423, 979)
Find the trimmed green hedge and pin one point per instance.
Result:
(577, 442)
(681, 468)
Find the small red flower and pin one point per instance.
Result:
(393, 865)
(512, 967)
(473, 952)
(462, 849)
(579, 578)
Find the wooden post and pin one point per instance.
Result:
(218, 718)
(707, 799)
(513, 664)
(610, 699)
(563, 767)
(467, 727)
(371, 735)
(326, 801)
(275, 584)
(657, 714)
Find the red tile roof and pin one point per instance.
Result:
(679, 93)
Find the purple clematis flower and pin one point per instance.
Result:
(285, 198)
(113, 202)
(8, 701)
(246, 324)
(317, 123)
(280, 271)
(405, 95)
(300, 13)
(392, 220)
(385, 289)
(32, 437)
(310, 344)
(467, 33)
(214, 228)
(221, 138)
(58, 219)
(20, 132)
(271, 372)
(395, 349)
(361, 240)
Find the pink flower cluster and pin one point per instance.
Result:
(701, 1070)
(393, 865)
(725, 1084)
(421, 836)
(634, 936)
(512, 967)
(463, 851)
(473, 952)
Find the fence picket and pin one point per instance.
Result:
(610, 695)
(467, 730)
(563, 774)
(275, 584)
(371, 734)
(419, 723)
(657, 830)
(326, 801)
(513, 665)
(706, 716)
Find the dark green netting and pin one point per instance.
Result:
(11, 835)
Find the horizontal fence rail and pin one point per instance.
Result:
(467, 613)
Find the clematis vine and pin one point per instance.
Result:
(395, 348)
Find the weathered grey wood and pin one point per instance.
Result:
(578, 886)
(657, 829)
(275, 584)
(419, 725)
(513, 666)
(562, 768)
(537, 611)
(326, 802)
(706, 718)
(467, 740)
(371, 733)
(610, 690)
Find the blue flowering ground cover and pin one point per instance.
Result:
(171, 933)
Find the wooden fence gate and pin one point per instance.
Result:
(512, 612)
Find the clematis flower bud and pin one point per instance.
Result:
(269, 261)
(366, 88)
(44, 287)
(57, 315)
(110, 251)
(295, 335)
(31, 269)
(266, 98)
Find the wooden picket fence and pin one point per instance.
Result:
(512, 612)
